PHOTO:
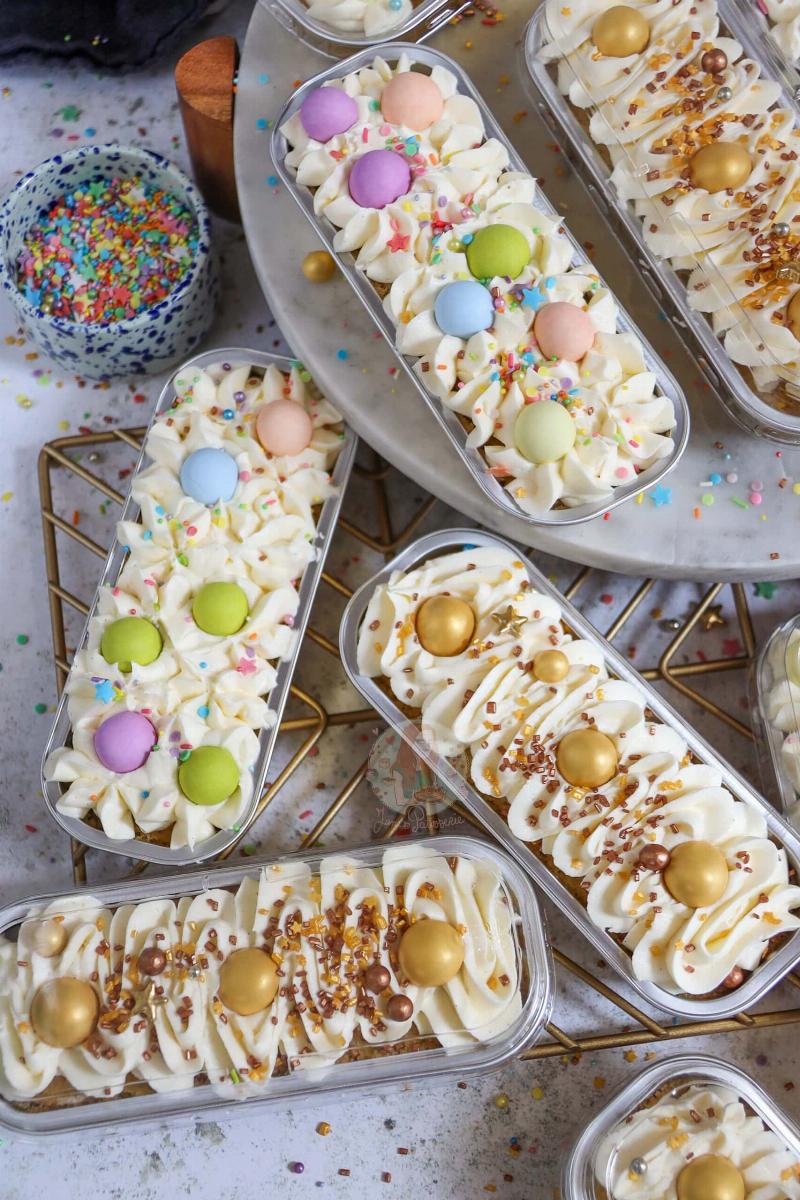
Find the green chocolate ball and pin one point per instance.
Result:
(209, 775)
(130, 640)
(498, 250)
(220, 608)
(544, 431)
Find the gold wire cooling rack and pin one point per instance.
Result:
(316, 721)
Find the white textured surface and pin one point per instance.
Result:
(459, 1140)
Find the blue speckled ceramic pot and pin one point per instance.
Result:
(156, 338)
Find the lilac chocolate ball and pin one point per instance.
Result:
(379, 177)
(123, 742)
(326, 112)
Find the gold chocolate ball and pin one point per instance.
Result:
(710, 1177)
(64, 1011)
(621, 31)
(793, 315)
(445, 625)
(697, 874)
(720, 165)
(399, 1008)
(714, 61)
(586, 758)
(550, 666)
(430, 953)
(319, 266)
(248, 981)
(46, 937)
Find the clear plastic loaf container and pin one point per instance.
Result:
(580, 1179)
(61, 731)
(447, 419)
(428, 17)
(763, 39)
(772, 414)
(409, 1061)
(776, 705)
(765, 975)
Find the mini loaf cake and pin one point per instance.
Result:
(172, 685)
(504, 327)
(681, 873)
(699, 1142)
(292, 970)
(707, 157)
(782, 706)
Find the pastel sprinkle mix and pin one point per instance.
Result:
(107, 251)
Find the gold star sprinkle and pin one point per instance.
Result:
(713, 617)
(509, 621)
(148, 1001)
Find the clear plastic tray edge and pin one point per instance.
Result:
(765, 975)
(446, 418)
(137, 847)
(533, 950)
(770, 740)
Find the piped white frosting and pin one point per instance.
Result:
(201, 689)
(322, 932)
(704, 1118)
(488, 703)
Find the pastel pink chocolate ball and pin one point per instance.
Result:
(326, 112)
(284, 427)
(563, 330)
(413, 100)
(124, 741)
(379, 177)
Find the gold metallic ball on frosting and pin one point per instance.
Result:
(248, 981)
(431, 953)
(710, 1177)
(445, 625)
(377, 978)
(586, 758)
(64, 1011)
(399, 1008)
(47, 937)
(720, 165)
(621, 31)
(793, 315)
(697, 873)
(550, 665)
(319, 266)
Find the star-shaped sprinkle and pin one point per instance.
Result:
(104, 691)
(713, 617)
(246, 666)
(398, 241)
(766, 590)
(148, 1001)
(661, 495)
(532, 298)
(509, 621)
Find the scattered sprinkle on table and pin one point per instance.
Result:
(107, 251)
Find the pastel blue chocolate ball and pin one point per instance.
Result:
(209, 475)
(463, 308)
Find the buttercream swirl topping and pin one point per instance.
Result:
(737, 248)
(202, 689)
(487, 708)
(172, 1029)
(661, 1139)
(417, 245)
